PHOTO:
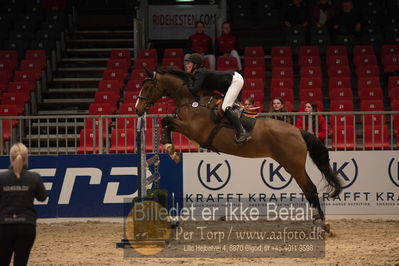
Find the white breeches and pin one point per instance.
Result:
(233, 91)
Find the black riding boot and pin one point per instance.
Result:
(241, 134)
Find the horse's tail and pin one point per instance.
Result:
(319, 154)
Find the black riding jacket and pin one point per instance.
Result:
(17, 194)
(211, 80)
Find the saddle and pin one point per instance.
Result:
(217, 116)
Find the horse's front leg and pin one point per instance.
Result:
(166, 138)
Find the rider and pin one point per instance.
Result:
(228, 83)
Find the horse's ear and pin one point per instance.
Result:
(149, 73)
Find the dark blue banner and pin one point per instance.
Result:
(95, 185)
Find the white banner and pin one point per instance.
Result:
(370, 180)
(178, 21)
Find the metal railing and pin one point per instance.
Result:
(84, 134)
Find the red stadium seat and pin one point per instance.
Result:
(311, 94)
(254, 73)
(281, 61)
(120, 53)
(309, 51)
(310, 72)
(148, 54)
(7, 65)
(253, 61)
(373, 105)
(254, 51)
(389, 49)
(175, 62)
(5, 76)
(341, 94)
(253, 84)
(339, 82)
(390, 62)
(25, 75)
(282, 83)
(258, 95)
(368, 82)
(339, 71)
(109, 97)
(126, 109)
(33, 65)
(134, 85)
(336, 50)
(131, 96)
(309, 60)
(227, 63)
(310, 83)
(343, 138)
(286, 94)
(173, 53)
(21, 86)
(281, 51)
(89, 141)
(376, 137)
(110, 85)
(122, 141)
(282, 72)
(393, 82)
(365, 60)
(341, 105)
(9, 55)
(159, 108)
(115, 74)
(8, 124)
(148, 63)
(337, 60)
(183, 144)
(394, 94)
(18, 99)
(367, 71)
(139, 74)
(37, 55)
(363, 50)
(3, 87)
(118, 63)
(373, 93)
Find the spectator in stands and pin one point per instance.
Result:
(278, 107)
(249, 107)
(201, 43)
(226, 44)
(322, 13)
(348, 21)
(319, 129)
(18, 188)
(297, 14)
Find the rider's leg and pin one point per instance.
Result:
(229, 99)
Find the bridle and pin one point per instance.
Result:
(154, 79)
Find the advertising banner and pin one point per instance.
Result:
(178, 21)
(94, 185)
(370, 181)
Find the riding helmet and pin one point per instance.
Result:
(196, 59)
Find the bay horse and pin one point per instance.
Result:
(281, 141)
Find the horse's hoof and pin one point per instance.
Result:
(326, 228)
(176, 157)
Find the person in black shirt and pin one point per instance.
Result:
(297, 14)
(348, 21)
(228, 83)
(18, 188)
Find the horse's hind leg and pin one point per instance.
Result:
(298, 171)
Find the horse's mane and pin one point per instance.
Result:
(185, 77)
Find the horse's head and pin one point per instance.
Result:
(149, 94)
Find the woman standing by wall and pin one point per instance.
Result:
(18, 188)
